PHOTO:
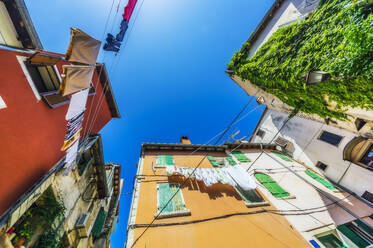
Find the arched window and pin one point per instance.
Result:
(359, 151)
(271, 185)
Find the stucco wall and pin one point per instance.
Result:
(218, 200)
(309, 149)
(304, 196)
(31, 132)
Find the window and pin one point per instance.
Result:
(285, 144)
(331, 240)
(282, 156)
(176, 207)
(360, 123)
(251, 197)
(220, 161)
(241, 157)
(321, 165)
(260, 133)
(231, 160)
(321, 180)
(213, 161)
(368, 196)
(164, 160)
(367, 159)
(330, 138)
(271, 185)
(359, 233)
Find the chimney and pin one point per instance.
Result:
(185, 140)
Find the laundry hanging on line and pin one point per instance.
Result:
(77, 104)
(231, 175)
(71, 155)
(113, 43)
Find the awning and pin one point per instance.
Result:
(82, 48)
(41, 58)
(76, 78)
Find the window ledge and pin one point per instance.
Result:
(185, 212)
(159, 166)
(256, 204)
(287, 197)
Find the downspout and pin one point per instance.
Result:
(344, 173)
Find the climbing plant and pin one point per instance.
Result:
(336, 38)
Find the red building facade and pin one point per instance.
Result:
(33, 121)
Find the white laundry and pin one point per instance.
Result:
(77, 104)
(240, 176)
(70, 158)
(232, 175)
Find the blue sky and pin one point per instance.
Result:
(169, 77)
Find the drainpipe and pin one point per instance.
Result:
(344, 173)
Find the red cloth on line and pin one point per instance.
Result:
(129, 9)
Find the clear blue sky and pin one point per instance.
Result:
(169, 78)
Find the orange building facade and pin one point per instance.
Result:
(200, 216)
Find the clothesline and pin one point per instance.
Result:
(231, 175)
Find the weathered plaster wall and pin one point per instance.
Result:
(304, 196)
(309, 149)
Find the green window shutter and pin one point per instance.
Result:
(321, 180)
(271, 185)
(240, 156)
(164, 160)
(213, 161)
(99, 223)
(361, 243)
(365, 227)
(231, 160)
(282, 156)
(165, 192)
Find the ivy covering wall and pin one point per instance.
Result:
(336, 38)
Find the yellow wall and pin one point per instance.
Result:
(252, 230)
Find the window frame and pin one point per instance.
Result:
(252, 204)
(335, 145)
(327, 233)
(184, 212)
(260, 133)
(320, 164)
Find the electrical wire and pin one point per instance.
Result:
(197, 166)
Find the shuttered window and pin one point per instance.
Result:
(165, 192)
(213, 161)
(240, 156)
(249, 196)
(271, 185)
(321, 180)
(331, 240)
(282, 156)
(99, 223)
(330, 138)
(347, 231)
(231, 160)
(164, 160)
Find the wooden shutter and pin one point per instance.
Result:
(351, 235)
(40, 58)
(271, 185)
(231, 160)
(321, 180)
(213, 161)
(165, 192)
(282, 156)
(240, 156)
(99, 223)
(164, 160)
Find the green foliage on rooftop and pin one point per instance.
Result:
(336, 38)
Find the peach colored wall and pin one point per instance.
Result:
(252, 230)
